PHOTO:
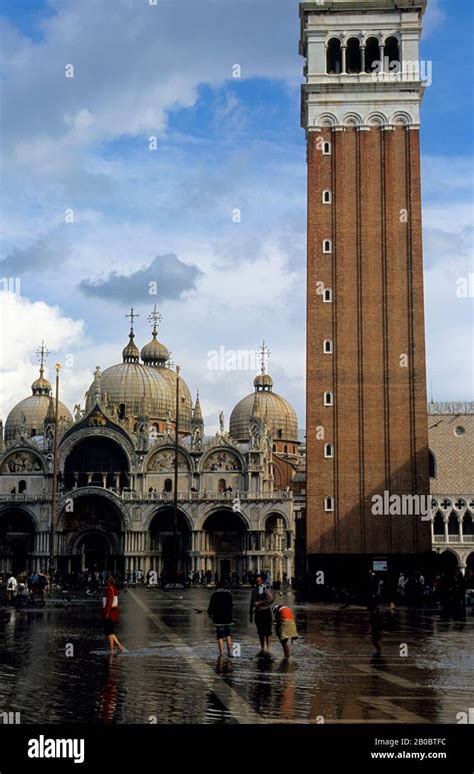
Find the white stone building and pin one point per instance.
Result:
(116, 477)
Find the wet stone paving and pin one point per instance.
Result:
(170, 672)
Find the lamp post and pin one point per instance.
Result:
(52, 557)
(175, 486)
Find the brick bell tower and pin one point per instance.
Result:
(366, 383)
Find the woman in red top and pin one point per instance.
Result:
(110, 613)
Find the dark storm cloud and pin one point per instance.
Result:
(44, 254)
(171, 276)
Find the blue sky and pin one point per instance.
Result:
(166, 214)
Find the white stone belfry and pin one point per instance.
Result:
(371, 48)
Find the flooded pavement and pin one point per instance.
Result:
(171, 673)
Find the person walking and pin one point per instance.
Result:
(221, 611)
(376, 628)
(12, 588)
(110, 614)
(260, 610)
(285, 624)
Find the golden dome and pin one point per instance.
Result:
(280, 416)
(149, 388)
(131, 353)
(185, 400)
(154, 353)
(28, 416)
(264, 404)
(138, 387)
(41, 386)
(263, 380)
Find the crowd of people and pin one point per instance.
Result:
(25, 589)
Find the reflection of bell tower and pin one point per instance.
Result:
(366, 391)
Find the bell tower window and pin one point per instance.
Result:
(334, 57)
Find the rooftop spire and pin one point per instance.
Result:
(197, 413)
(263, 381)
(132, 316)
(131, 353)
(154, 353)
(155, 318)
(264, 352)
(41, 386)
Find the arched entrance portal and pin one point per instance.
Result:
(91, 536)
(17, 532)
(97, 461)
(162, 544)
(94, 550)
(470, 568)
(448, 562)
(225, 541)
(276, 544)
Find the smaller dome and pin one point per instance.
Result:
(154, 353)
(41, 386)
(131, 353)
(29, 416)
(263, 381)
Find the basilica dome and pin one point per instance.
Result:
(149, 388)
(280, 416)
(28, 416)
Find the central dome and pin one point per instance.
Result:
(147, 388)
(139, 389)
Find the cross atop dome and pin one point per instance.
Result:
(132, 316)
(42, 353)
(131, 353)
(264, 353)
(155, 317)
(41, 386)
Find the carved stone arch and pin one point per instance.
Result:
(223, 450)
(215, 508)
(326, 120)
(386, 35)
(67, 445)
(19, 506)
(352, 119)
(377, 119)
(26, 452)
(454, 552)
(167, 507)
(341, 36)
(169, 451)
(85, 491)
(402, 118)
(76, 537)
(273, 512)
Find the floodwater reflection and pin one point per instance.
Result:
(170, 673)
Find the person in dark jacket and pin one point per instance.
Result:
(221, 611)
(376, 628)
(260, 609)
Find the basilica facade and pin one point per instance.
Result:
(115, 473)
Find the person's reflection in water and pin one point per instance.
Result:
(261, 684)
(110, 692)
(286, 702)
(223, 666)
